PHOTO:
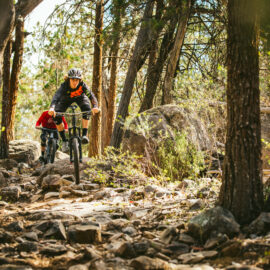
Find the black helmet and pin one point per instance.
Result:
(74, 74)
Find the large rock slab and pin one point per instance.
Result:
(152, 125)
(24, 150)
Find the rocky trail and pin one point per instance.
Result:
(48, 222)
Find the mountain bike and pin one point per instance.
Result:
(75, 141)
(51, 145)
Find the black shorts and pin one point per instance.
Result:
(83, 102)
(46, 134)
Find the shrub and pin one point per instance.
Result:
(178, 158)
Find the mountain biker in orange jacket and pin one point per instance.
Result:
(73, 90)
(46, 121)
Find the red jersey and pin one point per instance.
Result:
(46, 121)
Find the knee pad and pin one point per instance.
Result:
(43, 139)
(58, 120)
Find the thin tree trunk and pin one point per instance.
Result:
(104, 106)
(175, 53)
(7, 14)
(5, 102)
(144, 40)
(95, 134)
(14, 83)
(114, 71)
(241, 190)
(156, 71)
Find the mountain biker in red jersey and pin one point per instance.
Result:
(46, 121)
(73, 90)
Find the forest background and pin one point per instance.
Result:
(66, 40)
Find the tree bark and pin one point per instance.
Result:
(95, 134)
(175, 53)
(156, 71)
(24, 7)
(114, 71)
(5, 102)
(144, 40)
(7, 14)
(241, 190)
(105, 100)
(10, 84)
(14, 81)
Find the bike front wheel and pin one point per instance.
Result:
(51, 150)
(75, 147)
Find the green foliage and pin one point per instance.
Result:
(179, 158)
(116, 168)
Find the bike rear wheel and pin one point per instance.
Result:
(75, 147)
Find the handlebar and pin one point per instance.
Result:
(75, 113)
(47, 129)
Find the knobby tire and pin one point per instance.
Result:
(53, 151)
(76, 162)
(50, 152)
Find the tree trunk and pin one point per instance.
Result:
(10, 85)
(95, 135)
(144, 40)
(14, 82)
(156, 71)
(114, 71)
(24, 7)
(104, 105)
(5, 102)
(241, 190)
(175, 53)
(7, 14)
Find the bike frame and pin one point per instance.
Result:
(74, 132)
